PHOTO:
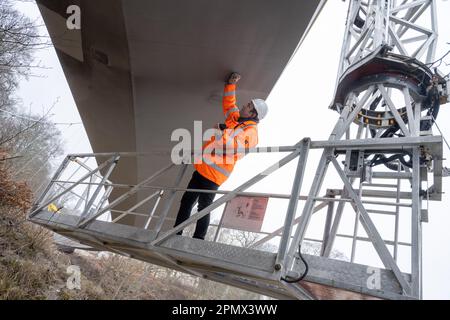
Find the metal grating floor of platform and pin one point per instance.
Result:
(246, 268)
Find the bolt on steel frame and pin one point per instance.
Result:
(384, 105)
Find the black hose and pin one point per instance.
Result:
(433, 104)
(382, 159)
(304, 273)
(359, 21)
(386, 161)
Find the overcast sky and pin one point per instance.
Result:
(300, 98)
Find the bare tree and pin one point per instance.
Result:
(30, 142)
(241, 238)
(18, 39)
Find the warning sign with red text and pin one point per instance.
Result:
(245, 213)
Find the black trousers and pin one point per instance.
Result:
(204, 200)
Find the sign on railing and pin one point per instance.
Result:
(245, 213)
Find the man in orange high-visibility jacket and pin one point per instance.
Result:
(220, 153)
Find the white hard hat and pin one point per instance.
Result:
(261, 107)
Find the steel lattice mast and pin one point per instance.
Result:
(385, 88)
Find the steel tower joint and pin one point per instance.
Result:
(409, 27)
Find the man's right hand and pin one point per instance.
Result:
(234, 78)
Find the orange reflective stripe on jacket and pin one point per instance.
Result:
(230, 110)
(220, 156)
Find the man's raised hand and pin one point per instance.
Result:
(234, 78)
